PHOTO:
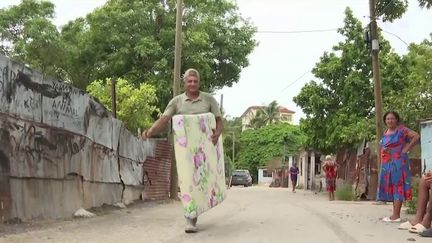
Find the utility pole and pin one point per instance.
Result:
(221, 104)
(113, 98)
(233, 146)
(178, 48)
(377, 89)
(176, 89)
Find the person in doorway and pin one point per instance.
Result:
(395, 176)
(191, 102)
(330, 170)
(293, 175)
(421, 223)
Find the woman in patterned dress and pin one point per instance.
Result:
(330, 170)
(395, 185)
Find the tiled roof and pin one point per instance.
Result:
(281, 109)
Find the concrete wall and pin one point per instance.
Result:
(61, 150)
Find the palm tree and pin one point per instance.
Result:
(272, 112)
(266, 115)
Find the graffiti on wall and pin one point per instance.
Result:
(15, 97)
(50, 130)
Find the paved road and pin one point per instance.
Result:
(249, 215)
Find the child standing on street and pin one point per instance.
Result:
(330, 170)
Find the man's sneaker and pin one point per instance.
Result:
(191, 225)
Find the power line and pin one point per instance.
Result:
(295, 81)
(395, 36)
(295, 31)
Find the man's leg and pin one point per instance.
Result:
(426, 222)
(422, 200)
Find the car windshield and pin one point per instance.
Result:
(236, 173)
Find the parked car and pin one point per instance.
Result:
(241, 178)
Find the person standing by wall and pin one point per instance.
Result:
(330, 170)
(395, 176)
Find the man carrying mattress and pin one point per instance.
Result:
(197, 125)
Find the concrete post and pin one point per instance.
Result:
(312, 170)
(305, 171)
(290, 161)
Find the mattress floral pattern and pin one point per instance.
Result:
(200, 163)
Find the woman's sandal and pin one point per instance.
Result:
(418, 228)
(405, 226)
(388, 220)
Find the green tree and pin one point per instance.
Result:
(390, 10)
(135, 40)
(340, 109)
(134, 105)
(260, 146)
(231, 135)
(414, 102)
(132, 39)
(28, 35)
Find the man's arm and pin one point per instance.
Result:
(157, 127)
(219, 125)
(214, 108)
(161, 123)
(217, 132)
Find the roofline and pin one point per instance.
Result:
(262, 107)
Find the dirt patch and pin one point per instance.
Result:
(18, 226)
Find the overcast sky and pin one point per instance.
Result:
(279, 61)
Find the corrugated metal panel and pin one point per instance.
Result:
(130, 146)
(100, 126)
(416, 167)
(64, 106)
(347, 161)
(157, 171)
(131, 172)
(46, 152)
(5, 197)
(20, 90)
(52, 132)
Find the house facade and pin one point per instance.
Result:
(285, 115)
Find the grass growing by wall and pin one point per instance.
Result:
(345, 193)
(412, 205)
